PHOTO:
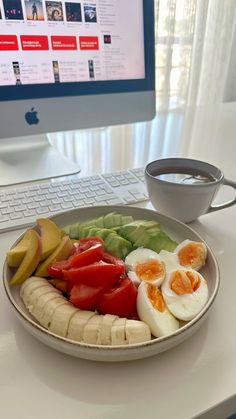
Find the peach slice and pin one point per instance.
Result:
(30, 260)
(17, 253)
(50, 236)
(60, 253)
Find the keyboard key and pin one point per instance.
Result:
(50, 196)
(54, 208)
(43, 210)
(43, 203)
(3, 205)
(29, 213)
(27, 200)
(102, 198)
(90, 194)
(61, 194)
(6, 211)
(79, 203)
(3, 218)
(15, 216)
(67, 205)
(89, 201)
(114, 183)
(114, 201)
(33, 206)
(20, 208)
(129, 199)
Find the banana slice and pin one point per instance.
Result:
(77, 324)
(41, 302)
(36, 280)
(104, 335)
(61, 319)
(27, 292)
(137, 331)
(31, 301)
(91, 329)
(118, 332)
(48, 310)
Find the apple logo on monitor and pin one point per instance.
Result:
(31, 117)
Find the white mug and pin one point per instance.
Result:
(185, 188)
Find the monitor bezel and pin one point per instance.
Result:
(39, 91)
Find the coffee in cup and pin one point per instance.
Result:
(185, 188)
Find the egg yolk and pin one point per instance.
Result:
(184, 282)
(149, 270)
(192, 255)
(155, 297)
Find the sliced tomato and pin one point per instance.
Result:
(109, 258)
(85, 297)
(91, 255)
(97, 274)
(56, 269)
(87, 242)
(60, 284)
(119, 300)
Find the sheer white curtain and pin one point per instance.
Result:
(195, 66)
(194, 50)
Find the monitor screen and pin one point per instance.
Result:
(45, 42)
(68, 64)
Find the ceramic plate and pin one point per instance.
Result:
(177, 231)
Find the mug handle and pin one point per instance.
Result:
(213, 208)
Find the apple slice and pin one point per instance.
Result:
(60, 253)
(30, 260)
(17, 253)
(50, 236)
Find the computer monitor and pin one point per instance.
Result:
(65, 65)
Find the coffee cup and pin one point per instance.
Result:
(185, 188)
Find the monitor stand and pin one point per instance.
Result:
(33, 158)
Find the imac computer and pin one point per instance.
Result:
(66, 65)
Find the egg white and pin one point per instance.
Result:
(201, 261)
(170, 260)
(187, 306)
(161, 323)
(141, 255)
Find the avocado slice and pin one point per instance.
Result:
(99, 222)
(108, 220)
(94, 231)
(137, 234)
(161, 242)
(125, 219)
(84, 231)
(117, 245)
(74, 231)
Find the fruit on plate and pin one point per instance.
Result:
(30, 260)
(54, 312)
(50, 236)
(17, 253)
(62, 251)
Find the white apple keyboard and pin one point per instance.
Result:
(21, 205)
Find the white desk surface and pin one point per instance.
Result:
(197, 376)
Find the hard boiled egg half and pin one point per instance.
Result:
(185, 293)
(191, 254)
(152, 310)
(145, 265)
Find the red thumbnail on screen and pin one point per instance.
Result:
(64, 42)
(8, 43)
(88, 43)
(34, 42)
